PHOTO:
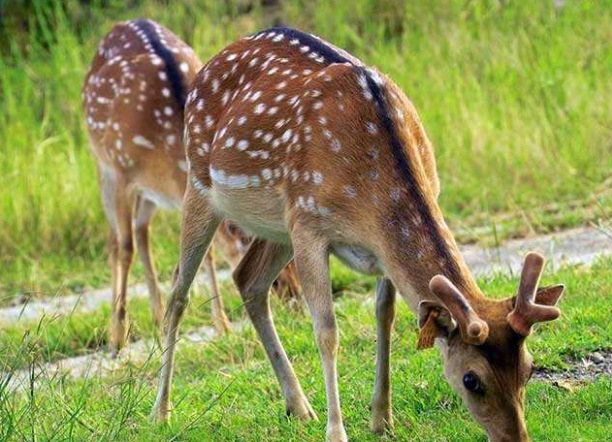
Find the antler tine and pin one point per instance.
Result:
(530, 276)
(526, 312)
(473, 329)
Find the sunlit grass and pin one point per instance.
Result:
(514, 95)
(225, 389)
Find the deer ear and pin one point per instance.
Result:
(549, 295)
(435, 321)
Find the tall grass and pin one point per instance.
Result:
(514, 95)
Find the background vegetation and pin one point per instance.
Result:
(515, 96)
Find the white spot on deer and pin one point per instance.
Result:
(184, 67)
(317, 177)
(335, 144)
(234, 181)
(268, 137)
(266, 174)
(200, 105)
(371, 127)
(255, 96)
(396, 194)
(231, 57)
(242, 145)
(183, 166)
(260, 108)
(229, 142)
(376, 77)
(170, 139)
(258, 153)
(286, 135)
(225, 98)
(242, 120)
(349, 191)
(322, 120)
(304, 49)
(115, 126)
(209, 121)
(272, 71)
(215, 85)
(294, 42)
(163, 76)
(119, 144)
(281, 85)
(168, 111)
(253, 61)
(317, 105)
(272, 110)
(278, 38)
(141, 141)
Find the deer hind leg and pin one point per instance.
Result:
(118, 208)
(312, 263)
(220, 320)
(382, 418)
(144, 212)
(254, 277)
(197, 231)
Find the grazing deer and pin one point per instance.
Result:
(133, 98)
(313, 153)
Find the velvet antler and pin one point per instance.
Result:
(526, 311)
(473, 329)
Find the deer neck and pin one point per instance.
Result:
(418, 246)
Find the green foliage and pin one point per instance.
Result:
(225, 389)
(514, 96)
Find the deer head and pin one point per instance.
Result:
(483, 345)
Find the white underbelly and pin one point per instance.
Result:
(259, 212)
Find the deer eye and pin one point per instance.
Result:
(472, 383)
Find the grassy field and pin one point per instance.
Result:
(226, 390)
(514, 95)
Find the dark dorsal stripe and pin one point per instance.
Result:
(175, 77)
(405, 168)
(316, 45)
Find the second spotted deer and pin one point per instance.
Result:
(134, 96)
(313, 153)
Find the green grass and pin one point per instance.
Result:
(225, 390)
(514, 95)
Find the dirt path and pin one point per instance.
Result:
(581, 245)
(100, 363)
(574, 246)
(83, 302)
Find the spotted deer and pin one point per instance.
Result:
(133, 99)
(313, 153)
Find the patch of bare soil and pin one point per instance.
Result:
(584, 369)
